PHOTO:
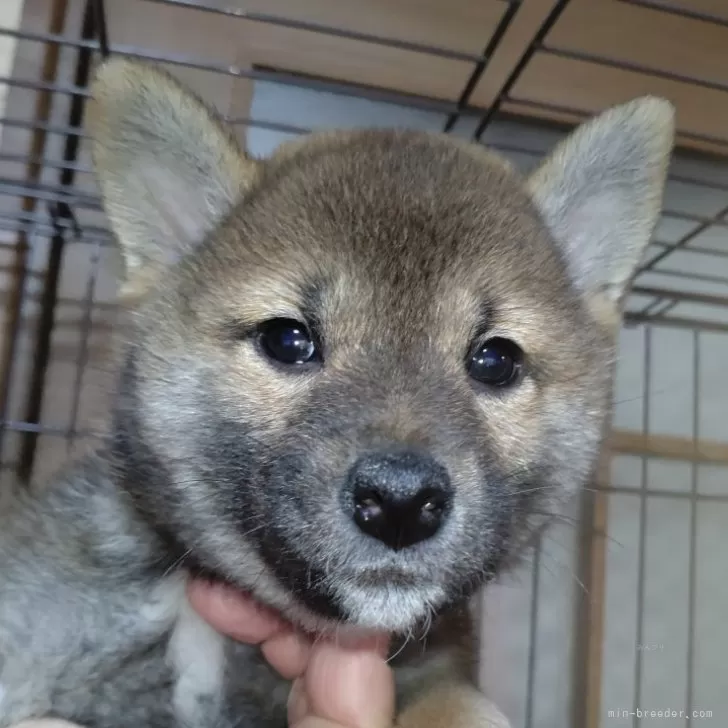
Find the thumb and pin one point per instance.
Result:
(343, 688)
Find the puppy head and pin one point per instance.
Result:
(362, 370)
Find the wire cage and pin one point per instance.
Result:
(618, 611)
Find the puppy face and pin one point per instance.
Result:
(362, 371)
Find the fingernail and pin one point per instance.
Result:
(354, 689)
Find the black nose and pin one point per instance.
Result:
(400, 499)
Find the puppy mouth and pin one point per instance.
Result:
(391, 578)
(385, 599)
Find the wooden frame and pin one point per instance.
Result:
(627, 442)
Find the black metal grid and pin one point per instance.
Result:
(52, 211)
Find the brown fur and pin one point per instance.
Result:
(404, 250)
(405, 235)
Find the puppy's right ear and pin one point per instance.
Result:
(168, 170)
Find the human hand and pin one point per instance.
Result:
(335, 685)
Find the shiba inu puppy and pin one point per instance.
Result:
(357, 376)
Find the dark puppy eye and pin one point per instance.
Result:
(287, 341)
(496, 362)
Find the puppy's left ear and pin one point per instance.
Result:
(600, 194)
